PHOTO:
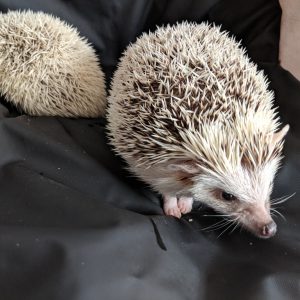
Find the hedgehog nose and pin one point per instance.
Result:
(269, 229)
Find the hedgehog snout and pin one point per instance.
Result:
(268, 230)
(258, 220)
(264, 230)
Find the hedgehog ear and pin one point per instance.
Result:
(187, 166)
(278, 136)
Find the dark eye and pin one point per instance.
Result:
(228, 197)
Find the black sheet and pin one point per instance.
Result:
(75, 225)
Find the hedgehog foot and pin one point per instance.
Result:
(171, 207)
(174, 207)
(185, 204)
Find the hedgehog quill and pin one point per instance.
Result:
(194, 118)
(47, 68)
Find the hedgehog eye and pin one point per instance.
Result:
(228, 197)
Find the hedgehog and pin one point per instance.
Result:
(193, 117)
(47, 68)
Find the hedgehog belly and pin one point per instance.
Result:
(179, 88)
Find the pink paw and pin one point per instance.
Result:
(185, 204)
(173, 211)
(174, 207)
(170, 206)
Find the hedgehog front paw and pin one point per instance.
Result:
(173, 211)
(185, 204)
(170, 206)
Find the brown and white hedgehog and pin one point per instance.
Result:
(193, 117)
(47, 68)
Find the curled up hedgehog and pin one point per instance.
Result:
(47, 68)
(193, 117)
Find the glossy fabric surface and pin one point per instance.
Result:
(75, 225)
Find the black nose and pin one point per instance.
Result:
(269, 230)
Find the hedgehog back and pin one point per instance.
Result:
(186, 91)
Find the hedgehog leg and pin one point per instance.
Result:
(170, 206)
(185, 204)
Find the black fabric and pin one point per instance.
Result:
(75, 225)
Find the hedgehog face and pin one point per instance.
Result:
(242, 194)
(237, 186)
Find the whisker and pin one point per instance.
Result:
(217, 215)
(279, 198)
(236, 225)
(275, 211)
(212, 226)
(282, 199)
(241, 227)
(227, 223)
(219, 227)
(229, 226)
(215, 224)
